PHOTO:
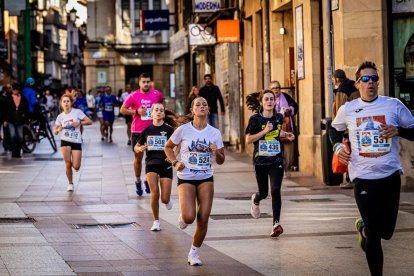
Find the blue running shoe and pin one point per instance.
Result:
(139, 188)
(147, 189)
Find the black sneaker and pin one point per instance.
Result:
(147, 189)
(139, 188)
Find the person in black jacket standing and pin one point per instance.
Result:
(15, 116)
(289, 109)
(212, 93)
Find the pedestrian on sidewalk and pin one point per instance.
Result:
(68, 122)
(374, 123)
(344, 91)
(286, 106)
(199, 146)
(152, 140)
(15, 115)
(264, 131)
(139, 104)
(212, 94)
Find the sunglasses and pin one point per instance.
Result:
(276, 87)
(374, 78)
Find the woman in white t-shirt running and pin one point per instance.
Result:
(68, 122)
(200, 145)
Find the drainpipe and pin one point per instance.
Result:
(330, 53)
(267, 24)
(28, 68)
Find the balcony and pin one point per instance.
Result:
(54, 53)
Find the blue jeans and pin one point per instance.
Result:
(212, 120)
(16, 138)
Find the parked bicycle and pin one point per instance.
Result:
(37, 130)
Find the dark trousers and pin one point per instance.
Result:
(378, 201)
(16, 138)
(273, 172)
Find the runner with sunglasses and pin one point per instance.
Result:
(374, 123)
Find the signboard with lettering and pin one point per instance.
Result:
(154, 20)
(228, 31)
(198, 35)
(402, 6)
(207, 5)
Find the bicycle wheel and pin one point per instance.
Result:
(29, 140)
(50, 136)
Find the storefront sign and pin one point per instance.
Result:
(198, 35)
(228, 31)
(154, 20)
(178, 44)
(402, 6)
(206, 6)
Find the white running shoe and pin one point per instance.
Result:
(156, 226)
(254, 209)
(70, 187)
(194, 259)
(169, 205)
(181, 223)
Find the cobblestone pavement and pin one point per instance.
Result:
(103, 227)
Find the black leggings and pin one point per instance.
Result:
(378, 202)
(275, 173)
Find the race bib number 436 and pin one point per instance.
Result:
(269, 147)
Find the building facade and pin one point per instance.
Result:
(118, 51)
(290, 42)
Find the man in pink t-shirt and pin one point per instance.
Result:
(139, 105)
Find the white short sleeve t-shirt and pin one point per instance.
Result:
(195, 150)
(70, 133)
(373, 157)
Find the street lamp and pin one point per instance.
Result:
(72, 15)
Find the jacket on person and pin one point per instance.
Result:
(30, 95)
(346, 92)
(294, 105)
(16, 115)
(212, 94)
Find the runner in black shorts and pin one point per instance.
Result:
(200, 146)
(68, 123)
(153, 140)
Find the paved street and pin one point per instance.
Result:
(103, 227)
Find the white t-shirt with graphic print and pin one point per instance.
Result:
(373, 157)
(70, 133)
(195, 150)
